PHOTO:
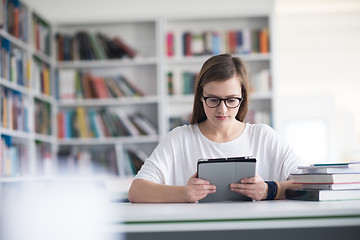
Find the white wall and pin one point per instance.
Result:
(317, 53)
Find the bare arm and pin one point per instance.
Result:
(149, 192)
(285, 185)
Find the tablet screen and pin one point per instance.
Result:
(224, 171)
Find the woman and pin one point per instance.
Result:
(216, 130)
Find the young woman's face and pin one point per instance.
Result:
(222, 115)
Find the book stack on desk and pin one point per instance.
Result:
(327, 182)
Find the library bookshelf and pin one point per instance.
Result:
(191, 41)
(104, 109)
(27, 104)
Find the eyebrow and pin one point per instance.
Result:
(228, 96)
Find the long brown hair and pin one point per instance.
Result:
(220, 68)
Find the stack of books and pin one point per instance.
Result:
(327, 182)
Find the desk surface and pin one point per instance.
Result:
(233, 215)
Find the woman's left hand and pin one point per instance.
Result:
(253, 187)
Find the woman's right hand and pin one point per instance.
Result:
(197, 189)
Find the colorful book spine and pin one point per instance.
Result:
(42, 81)
(41, 35)
(170, 44)
(89, 46)
(13, 19)
(43, 117)
(5, 59)
(14, 113)
(82, 85)
(93, 123)
(14, 158)
(242, 41)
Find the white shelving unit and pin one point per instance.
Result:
(143, 71)
(148, 70)
(32, 167)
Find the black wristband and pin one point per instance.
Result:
(272, 190)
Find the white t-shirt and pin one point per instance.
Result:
(174, 160)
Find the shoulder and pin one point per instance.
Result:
(183, 131)
(260, 129)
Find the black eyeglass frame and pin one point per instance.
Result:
(222, 99)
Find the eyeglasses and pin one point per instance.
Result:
(213, 102)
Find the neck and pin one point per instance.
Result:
(224, 134)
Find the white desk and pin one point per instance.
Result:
(265, 219)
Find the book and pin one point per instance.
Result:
(331, 170)
(125, 121)
(326, 178)
(144, 124)
(333, 186)
(67, 84)
(170, 44)
(136, 159)
(322, 195)
(343, 167)
(125, 47)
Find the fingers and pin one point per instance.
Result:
(254, 191)
(196, 192)
(198, 181)
(256, 179)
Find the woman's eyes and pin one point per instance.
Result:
(231, 100)
(213, 100)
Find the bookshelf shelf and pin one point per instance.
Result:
(45, 98)
(16, 133)
(138, 61)
(108, 141)
(261, 96)
(108, 102)
(201, 59)
(45, 138)
(15, 86)
(19, 43)
(43, 57)
(181, 99)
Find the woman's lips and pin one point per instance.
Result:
(220, 117)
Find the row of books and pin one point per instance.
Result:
(91, 46)
(183, 87)
(74, 84)
(183, 83)
(13, 158)
(41, 35)
(13, 110)
(111, 122)
(42, 117)
(327, 182)
(94, 161)
(14, 64)
(242, 41)
(259, 117)
(261, 81)
(14, 18)
(41, 75)
(131, 159)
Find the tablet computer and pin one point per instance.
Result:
(221, 172)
